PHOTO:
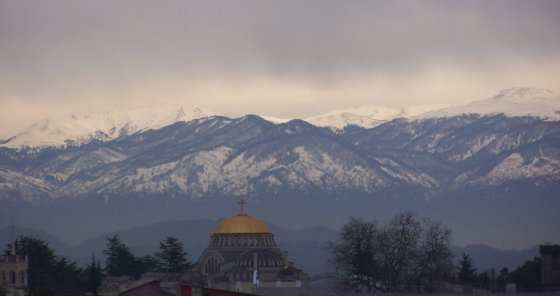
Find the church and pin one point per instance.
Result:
(242, 256)
(13, 273)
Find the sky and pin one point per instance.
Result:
(290, 59)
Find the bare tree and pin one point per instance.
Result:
(407, 254)
(435, 257)
(354, 256)
(398, 246)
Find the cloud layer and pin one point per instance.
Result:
(282, 58)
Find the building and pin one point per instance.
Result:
(243, 255)
(550, 268)
(13, 274)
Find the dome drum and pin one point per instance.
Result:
(244, 241)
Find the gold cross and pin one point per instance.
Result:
(242, 203)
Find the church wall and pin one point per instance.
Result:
(13, 274)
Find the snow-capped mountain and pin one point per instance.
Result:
(468, 170)
(249, 156)
(519, 101)
(104, 126)
(367, 117)
(80, 129)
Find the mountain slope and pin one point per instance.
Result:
(249, 156)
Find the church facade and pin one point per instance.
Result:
(13, 274)
(242, 255)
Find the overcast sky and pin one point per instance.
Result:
(280, 58)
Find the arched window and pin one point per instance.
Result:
(22, 277)
(12, 277)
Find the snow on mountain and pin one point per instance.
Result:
(519, 101)
(367, 117)
(275, 120)
(77, 129)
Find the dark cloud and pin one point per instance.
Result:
(95, 49)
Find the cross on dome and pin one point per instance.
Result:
(242, 203)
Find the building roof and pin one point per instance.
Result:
(147, 289)
(241, 223)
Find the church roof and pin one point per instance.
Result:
(241, 223)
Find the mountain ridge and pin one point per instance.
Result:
(105, 126)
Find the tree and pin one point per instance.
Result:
(94, 274)
(398, 244)
(434, 258)
(48, 274)
(354, 256)
(405, 255)
(503, 278)
(528, 276)
(467, 272)
(40, 277)
(483, 280)
(147, 263)
(171, 257)
(120, 260)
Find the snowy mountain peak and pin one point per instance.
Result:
(523, 93)
(513, 102)
(367, 117)
(78, 129)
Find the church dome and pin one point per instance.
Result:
(241, 223)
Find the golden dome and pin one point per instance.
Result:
(241, 223)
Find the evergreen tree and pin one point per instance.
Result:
(503, 278)
(147, 263)
(467, 272)
(171, 256)
(47, 273)
(483, 280)
(528, 276)
(120, 260)
(94, 274)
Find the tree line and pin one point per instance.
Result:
(406, 254)
(526, 277)
(51, 274)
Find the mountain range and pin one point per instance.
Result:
(491, 175)
(105, 126)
